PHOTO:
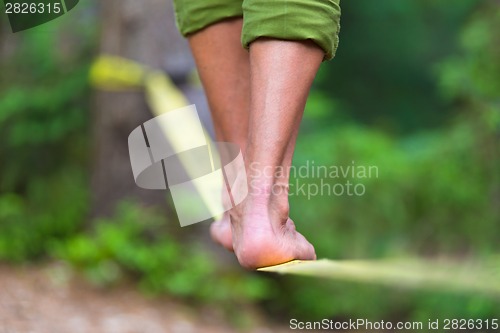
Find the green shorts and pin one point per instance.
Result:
(317, 20)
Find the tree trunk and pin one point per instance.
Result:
(143, 31)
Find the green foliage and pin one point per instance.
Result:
(43, 152)
(383, 74)
(135, 243)
(44, 101)
(434, 195)
(51, 208)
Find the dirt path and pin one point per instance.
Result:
(46, 300)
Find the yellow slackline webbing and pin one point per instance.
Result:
(115, 73)
(118, 74)
(481, 277)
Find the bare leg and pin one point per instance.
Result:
(224, 69)
(281, 75)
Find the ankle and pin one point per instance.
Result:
(270, 202)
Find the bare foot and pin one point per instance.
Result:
(264, 235)
(220, 231)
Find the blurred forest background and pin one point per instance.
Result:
(414, 90)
